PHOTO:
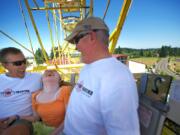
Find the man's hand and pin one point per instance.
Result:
(4, 119)
(11, 120)
(5, 122)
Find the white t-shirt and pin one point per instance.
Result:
(15, 94)
(104, 101)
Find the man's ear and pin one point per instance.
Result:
(93, 37)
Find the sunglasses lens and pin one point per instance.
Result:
(76, 41)
(19, 63)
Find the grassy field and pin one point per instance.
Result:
(41, 129)
(149, 61)
(174, 64)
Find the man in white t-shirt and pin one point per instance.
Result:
(104, 101)
(16, 88)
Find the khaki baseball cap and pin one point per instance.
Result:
(85, 26)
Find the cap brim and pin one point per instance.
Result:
(71, 37)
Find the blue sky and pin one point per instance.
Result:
(149, 24)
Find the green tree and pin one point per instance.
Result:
(141, 53)
(117, 50)
(39, 56)
(163, 51)
(56, 52)
(155, 52)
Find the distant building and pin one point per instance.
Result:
(136, 67)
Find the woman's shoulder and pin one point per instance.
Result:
(34, 94)
(66, 89)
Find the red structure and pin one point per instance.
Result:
(121, 57)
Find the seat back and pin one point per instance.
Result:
(156, 87)
(174, 102)
(153, 107)
(151, 116)
(74, 78)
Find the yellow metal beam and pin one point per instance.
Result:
(60, 7)
(36, 30)
(16, 41)
(91, 8)
(107, 6)
(116, 33)
(50, 32)
(27, 31)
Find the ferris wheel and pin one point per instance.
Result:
(61, 16)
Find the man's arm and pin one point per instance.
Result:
(32, 118)
(3, 119)
(58, 130)
(3, 123)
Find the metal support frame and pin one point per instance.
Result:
(116, 33)
(36, 30)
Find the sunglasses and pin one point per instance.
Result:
(77, 39)
(18, 63)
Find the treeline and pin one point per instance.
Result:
(164, 51)
(40, 58)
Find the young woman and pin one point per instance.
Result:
(50, 102)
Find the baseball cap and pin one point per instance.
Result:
(85, 26)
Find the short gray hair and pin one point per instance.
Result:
(103, 36)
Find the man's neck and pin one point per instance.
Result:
(14, 76)
(101, 54)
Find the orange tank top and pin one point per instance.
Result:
(52, 113)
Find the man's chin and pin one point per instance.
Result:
(21, 74)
